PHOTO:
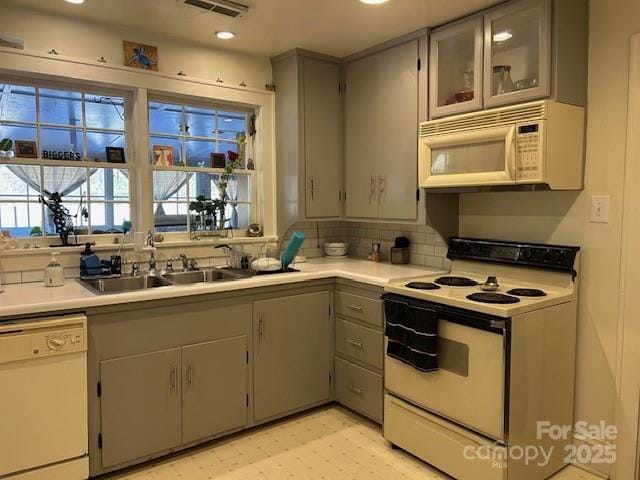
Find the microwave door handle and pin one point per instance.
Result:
(512, 139)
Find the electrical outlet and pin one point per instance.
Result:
(600, 209)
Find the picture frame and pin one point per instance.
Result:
(163, 155)
(139, 55)
(115, 155)
(218, 160)
(26, 149)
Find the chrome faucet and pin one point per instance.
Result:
(152, 263)
(135, 269)
(150, 242)
(189, 264)
(185, 262)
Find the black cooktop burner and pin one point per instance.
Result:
(492, 298)
(422, 286)
(456, 282)
(527, 292)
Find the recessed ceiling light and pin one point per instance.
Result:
(75, 2)
(502, 36)
(374, 2)
(225, 35)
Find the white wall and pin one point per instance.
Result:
(87, 40)
(563, 217)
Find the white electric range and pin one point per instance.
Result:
(470, 373)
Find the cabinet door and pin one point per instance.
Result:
(322, 138)
(214, 388)
(397, 156)
(517, 52)
(455, 73)
(140, 406)
(361, 137)
(291, 354)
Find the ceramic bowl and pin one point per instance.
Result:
(337, 249)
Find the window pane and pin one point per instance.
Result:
(17, 132)
(104, 112)
(17, 103)
(169, 185)
(170, 217)
(97, 143)
(165, 118)
(60, 107)
(230, 124)
(159, 156)
(108, 184)
(226, 147)
(201, 122)
(69, 182)
(60, 141)
(21, 219)
(19, 182)
(108, 217)
(239, 188)
(238, 216)
(199, 153)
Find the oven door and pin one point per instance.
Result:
(469, 386)
(483, 157)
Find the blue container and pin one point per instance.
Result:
(292, 249)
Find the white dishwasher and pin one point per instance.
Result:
(43, 399)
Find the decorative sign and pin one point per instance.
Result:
(139, 55)
(26, 149)
(60, 155)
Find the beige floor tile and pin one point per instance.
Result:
(326, 444)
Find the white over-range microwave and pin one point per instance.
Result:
(538, 144)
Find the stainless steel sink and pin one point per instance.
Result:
(124, 284)
(208, 275)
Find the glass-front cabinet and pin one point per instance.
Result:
(456, 68)
(520, 51)
(517, 57)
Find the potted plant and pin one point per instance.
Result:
(5, 148)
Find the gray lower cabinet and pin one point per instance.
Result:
(157, 401)
(141, 405)
(292, 353)
(214, 388)
(359, 389)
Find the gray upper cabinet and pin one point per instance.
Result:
(141, 405)
(381, 122)
(455, 68)
(308, 138)
(214, 388)
(517, 55)
(517, 52)
(292, 345)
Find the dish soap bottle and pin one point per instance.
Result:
(54, 272)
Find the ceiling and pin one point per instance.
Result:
(332, 27)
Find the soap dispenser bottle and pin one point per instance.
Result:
(54, 272)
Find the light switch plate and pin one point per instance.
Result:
(600, 209)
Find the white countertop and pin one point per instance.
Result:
(35, 298)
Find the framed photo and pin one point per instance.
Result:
(218, 160)
(139, 55)
(115, 155)
(26, 149)
(163, 155)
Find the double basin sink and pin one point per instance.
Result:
(144, 282)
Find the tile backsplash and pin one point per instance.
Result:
(427, 248)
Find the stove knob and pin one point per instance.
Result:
(55, 343)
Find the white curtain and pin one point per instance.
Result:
(62, 180)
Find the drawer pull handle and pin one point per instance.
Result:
(356, 390)
(355, 343)
(355, 307)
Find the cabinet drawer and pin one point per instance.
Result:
(362, 308)
(359, 389)
(439, 442)
(360, 343)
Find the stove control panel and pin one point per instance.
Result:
(554, 257)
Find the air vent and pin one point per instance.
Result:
(222, 7)
(490, 118)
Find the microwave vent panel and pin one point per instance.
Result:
(490, 118)
(221, 7)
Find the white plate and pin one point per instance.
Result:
(333, 256)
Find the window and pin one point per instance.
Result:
(183, 141)
(71, 131)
